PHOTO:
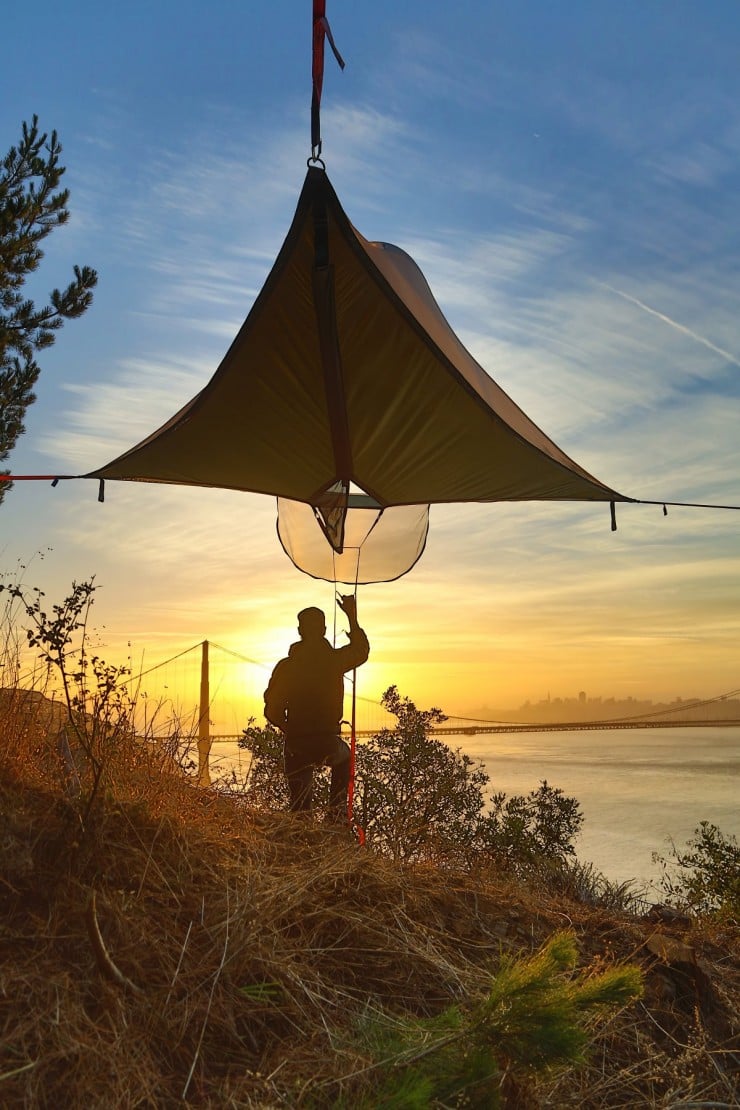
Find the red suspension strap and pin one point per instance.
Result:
(321, 31)
(357, 829)
(53, 478)
(352, 749)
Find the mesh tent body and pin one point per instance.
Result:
(346, 373)
(378, 545)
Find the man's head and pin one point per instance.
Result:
(311, 624)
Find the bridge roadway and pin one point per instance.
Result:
(567, 726)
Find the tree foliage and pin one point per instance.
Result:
(99, 706)
(31, 206)
(416, 798)
(532, 1015)
(267, 787)
(526, 831)
(704, 875)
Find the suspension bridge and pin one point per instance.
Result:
(230, 689)
(209, 694)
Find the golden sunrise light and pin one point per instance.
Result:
(441, 339)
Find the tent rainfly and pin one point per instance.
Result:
(344, 377)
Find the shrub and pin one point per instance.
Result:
(89, 732)
(530, 1017)
(266, 787)
(533, 832)
(705, 875)
(415, 796)
(582, 882)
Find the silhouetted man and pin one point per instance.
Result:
(305, 699)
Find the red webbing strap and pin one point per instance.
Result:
(353, 743)
(352, 748)
(55, 479)
(317, 73)
(34, 477)
(321, 31)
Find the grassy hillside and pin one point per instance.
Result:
(166, 946)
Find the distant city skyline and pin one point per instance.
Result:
(554, 709)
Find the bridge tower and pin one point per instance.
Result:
(204, 724)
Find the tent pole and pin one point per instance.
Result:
(204, 724)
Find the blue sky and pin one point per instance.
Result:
(566, 176)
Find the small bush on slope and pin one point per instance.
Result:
(704, 876)
(531, 1019)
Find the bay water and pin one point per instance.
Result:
(638, 788)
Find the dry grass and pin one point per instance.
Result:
(179, 949)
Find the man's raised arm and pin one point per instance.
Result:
(357, 650)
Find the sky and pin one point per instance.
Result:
(566, 176)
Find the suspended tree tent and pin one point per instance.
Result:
(348, 397)
(346, 375)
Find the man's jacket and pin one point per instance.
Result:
(305, 696)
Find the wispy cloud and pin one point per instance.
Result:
(105, 420)
(673, 323)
